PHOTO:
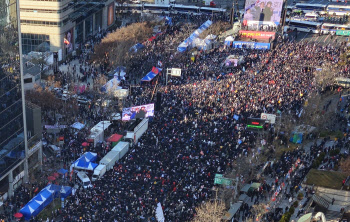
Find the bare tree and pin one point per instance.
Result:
(115, 47)
(345, 165)
(216, 28)
(212, 211)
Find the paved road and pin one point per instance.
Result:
(316, 38)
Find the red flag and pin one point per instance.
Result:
(155, 70)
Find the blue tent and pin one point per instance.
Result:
(183, 46)
(81, 163)
(62, 171)
(59, 191)
(37, 204)
(91, 157)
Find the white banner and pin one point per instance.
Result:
(176, 72)
(269, 117)
(159, 213)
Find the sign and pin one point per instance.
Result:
(257, 34)
(176, 72)
(265, 11)
(255, 123)
(251, 45)
(136, 112)
(343, 32)
(269, 117)
(219, 179)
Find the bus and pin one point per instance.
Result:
(338, 10)
(303, 26)
(210, 10)
(328, 28)
(155, 8)
(186, 9)
(343, 82)
(305, 8)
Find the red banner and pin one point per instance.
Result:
(257, 34)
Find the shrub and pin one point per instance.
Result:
(300, 196)
(291, 210)
(295, 204)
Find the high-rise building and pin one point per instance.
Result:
(15, 157)
(62, 25)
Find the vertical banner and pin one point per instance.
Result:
(110, 14)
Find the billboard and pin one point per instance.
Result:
(265, 11)
(251, 45)
(136, 112)
(257, 34)
(110, 14)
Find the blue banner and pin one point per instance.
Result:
(251, 45)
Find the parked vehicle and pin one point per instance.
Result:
(110, 159)
(83, 180)
(135, 132)
(99, 171)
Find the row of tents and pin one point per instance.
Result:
(85, 162)
(44, 198)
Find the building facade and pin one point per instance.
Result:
(14, 142)
(62, 25)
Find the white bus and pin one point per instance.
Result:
(305, 8)
(311, 16)
(343, 82)
(186, 9)
(210, 10)
(328, 28)
(338, 10)
(303, 26)
(155, 8)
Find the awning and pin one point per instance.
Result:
(114, 138)
(155, 71)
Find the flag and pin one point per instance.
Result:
(65, 41)
(155, 70)
(159, 213)
(160, 64)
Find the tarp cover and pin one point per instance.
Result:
(78, 125)
(91, 157)
(296, 138)
(183, 46)
(114, 138)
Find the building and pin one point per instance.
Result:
(62, 25)
(15, 156)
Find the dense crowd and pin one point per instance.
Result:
(201, 129)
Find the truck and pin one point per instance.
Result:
(99, 171)
(136, 130)
(122, 148)
(110, 159)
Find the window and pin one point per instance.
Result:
(35, 42)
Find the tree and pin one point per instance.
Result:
(114, 48)
(345, 165)
(212, 211)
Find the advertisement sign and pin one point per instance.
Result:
(263, 11)
(136, 112)
(110, 14)
(68, 40)
(269, 117)
(257, 34)
(343, 32)
(251, 45)
(176, 72)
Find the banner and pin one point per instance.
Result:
(257, 34)
(252, 45)
(136, 112)
(343, 32)
(110, 14)
(263, 11)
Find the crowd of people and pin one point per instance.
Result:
(200, 130)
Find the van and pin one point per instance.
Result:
(83, 180)
(54, 149)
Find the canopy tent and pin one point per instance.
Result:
(114, 139)
(81, 163)
(111, 85)
(91, 157)
(77, 125)
(119, 72)
(62, 171)
(155, 71)
(136, 47)
(59, 191)
(183, 46)
(229, 40)
(37, 204)
(211, 37)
